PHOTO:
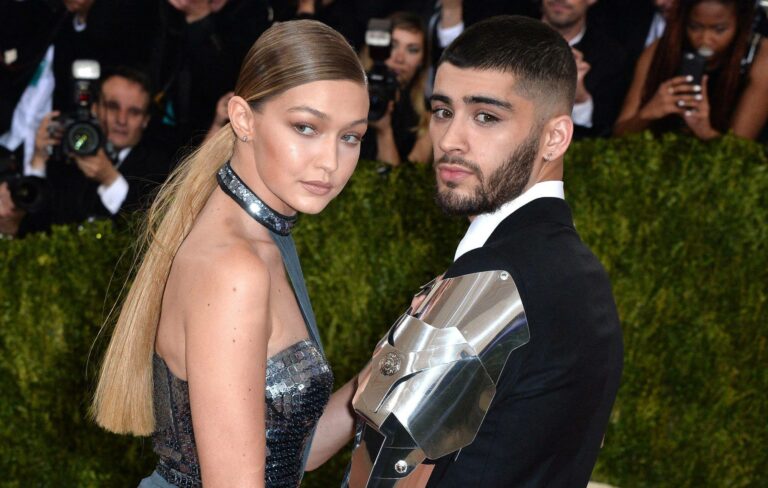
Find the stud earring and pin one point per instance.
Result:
(244, 138)
(548, 157)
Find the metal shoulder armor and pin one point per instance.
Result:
(432, 378)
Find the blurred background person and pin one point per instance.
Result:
(733, 92)
(199, 46)
(401, 134)
(601, 65)
(121, 176)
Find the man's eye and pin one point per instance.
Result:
(484, 118)
(305, 129)
(441, 113)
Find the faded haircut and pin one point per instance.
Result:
(538, 57)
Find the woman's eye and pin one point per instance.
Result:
(352, 139)
(305, 129)
(484, 118)
(441, 113)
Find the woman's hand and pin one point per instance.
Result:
(674, 96)
(697, 119)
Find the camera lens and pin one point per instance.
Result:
(83, 139)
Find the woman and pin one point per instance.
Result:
(210, 328)
(733, 94)
(401, 134)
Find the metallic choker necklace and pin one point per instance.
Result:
(246, 198)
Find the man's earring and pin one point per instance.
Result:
(548, 157)
(244, 138)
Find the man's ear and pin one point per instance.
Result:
(241, 117)
(556, 137)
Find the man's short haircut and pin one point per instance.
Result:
(538, 57)
(131, 74)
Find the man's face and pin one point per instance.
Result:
(485, 137)
(122, 111)
(562, 14)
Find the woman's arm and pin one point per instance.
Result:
(752, 110)
(336, 426)
(422, 150)
(226, 331)
(674, 96)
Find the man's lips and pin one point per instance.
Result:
(453, 173)
(317, 187)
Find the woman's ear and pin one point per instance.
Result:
(241, 118)
(557, 136)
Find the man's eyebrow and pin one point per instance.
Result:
(479, 99)
(313, 111)
(436, 97)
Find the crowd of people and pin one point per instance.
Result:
(168, 70)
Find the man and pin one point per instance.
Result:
(100, 185)
(601, 64)
(504, 370)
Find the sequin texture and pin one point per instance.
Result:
(247, 199)
(298, 385)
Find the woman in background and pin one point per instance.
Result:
(215, 352)
(401, 134)
(733, 94)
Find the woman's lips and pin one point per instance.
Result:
(317, 187)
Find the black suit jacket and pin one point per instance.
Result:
(545, 424)
(74, 198)
(607, 80)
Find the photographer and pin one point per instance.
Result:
(732, 94)
(401, 133)
(120, 176)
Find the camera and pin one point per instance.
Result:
(382, 81)
(81, 133)
(28, 193)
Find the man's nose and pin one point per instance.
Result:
(122, 117)
(453, 138)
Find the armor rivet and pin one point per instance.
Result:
(390, 364)
(401, 467)
(504, 275)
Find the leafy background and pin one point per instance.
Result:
(679, 224)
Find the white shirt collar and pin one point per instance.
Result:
(483, 225)
(578, 37)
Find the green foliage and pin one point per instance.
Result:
(679, 224)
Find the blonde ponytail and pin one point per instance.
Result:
(123, 399)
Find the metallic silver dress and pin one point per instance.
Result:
(299, 383)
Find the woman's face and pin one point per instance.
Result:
(407, 54)
(306, 144)
(713, 25)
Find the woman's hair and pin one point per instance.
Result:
(411, 22)
(287, 55)
(669, 54)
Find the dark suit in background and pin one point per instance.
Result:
(74, 198)
(607, 80)
(546, 422)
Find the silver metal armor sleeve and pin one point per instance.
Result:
(431, 380)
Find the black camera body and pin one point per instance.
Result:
(382, 81)
(81, 133)
(28, 193)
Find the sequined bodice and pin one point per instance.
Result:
(298, 385)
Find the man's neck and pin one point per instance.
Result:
(569, 31)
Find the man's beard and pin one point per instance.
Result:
(505, 184)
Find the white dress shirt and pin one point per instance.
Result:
(113, 196)
(582, 112)
(483, 225)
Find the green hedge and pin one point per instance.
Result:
(679, 224)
